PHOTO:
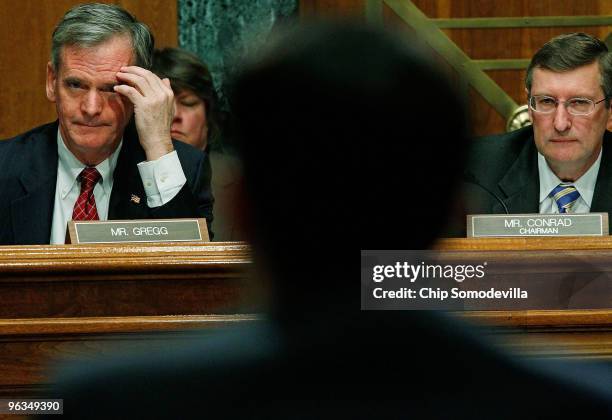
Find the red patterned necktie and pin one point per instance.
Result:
(85, 206)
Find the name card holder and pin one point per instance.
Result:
(566, 224)
(149, 230)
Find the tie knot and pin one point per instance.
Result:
(89, 177)
(565, 195)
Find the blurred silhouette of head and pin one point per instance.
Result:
(351, 139)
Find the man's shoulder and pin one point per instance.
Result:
(607, 138)
(191, 158)
(48, 130)
(35, 141)
(186, 150)
(494, 155)
(513, 141)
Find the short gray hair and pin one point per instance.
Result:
(88, 25)
(570, 51)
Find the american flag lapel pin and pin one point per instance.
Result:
(135, 199)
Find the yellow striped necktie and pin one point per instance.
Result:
(565, 195)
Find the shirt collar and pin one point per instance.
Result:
(69, 168)
(585, 184)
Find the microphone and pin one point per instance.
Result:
(471, 179)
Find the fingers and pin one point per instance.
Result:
(153, 101)
(132, 94)
(144, 80)
(143, 84)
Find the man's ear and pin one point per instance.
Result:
(50, 86)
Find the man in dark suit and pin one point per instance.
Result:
(348, 154)
(110, 154)
(563, 162)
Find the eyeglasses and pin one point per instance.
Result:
(575, 106)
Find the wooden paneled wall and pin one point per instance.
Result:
(25, 44)
(507, 43)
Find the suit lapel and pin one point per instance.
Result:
(602, 196)
(32, 213)
(128, 199)
(521, 184)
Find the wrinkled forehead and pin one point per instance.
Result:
(107, 56)
(583, 80)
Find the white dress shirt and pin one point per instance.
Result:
(162, 180)
(585, 186)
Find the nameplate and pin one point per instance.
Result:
(149, 230)
(499, 225)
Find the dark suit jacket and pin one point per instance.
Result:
(507, 166)
(29, 173)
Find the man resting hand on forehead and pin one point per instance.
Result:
(109, 155)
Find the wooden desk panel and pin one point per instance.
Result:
(567, 334)
(122, 280)
(81, 301)
(567, 243)
(30, 348)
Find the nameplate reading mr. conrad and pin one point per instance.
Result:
(497, 225)
(154, 230)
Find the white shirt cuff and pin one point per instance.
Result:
(162, 178)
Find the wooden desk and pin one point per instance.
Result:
(78, 301)
(122, 280)
(571, 334)
(30, 347)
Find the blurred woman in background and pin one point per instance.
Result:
(196, 121)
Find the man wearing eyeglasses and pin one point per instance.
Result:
(563, 162)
